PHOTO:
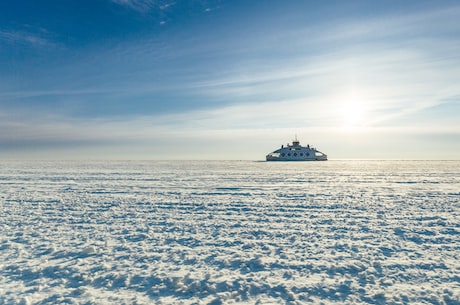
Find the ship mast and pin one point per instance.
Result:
(295, 142)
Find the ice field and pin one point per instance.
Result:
(233, 232)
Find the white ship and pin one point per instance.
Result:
(296, 152)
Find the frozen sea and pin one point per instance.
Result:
(232, 232)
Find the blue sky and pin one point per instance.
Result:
(146, 79)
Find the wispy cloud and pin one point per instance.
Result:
(138, 5)
(144, 6)
(23, 37)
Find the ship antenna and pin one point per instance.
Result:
(295, 142)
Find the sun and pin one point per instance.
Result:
(352, 113)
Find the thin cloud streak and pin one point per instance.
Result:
(139, 5)
(22, 37)
(259, 116)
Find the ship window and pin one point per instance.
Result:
(283, 154)
(289, 154)
(307, 154)
(301, 154)
(295, 154)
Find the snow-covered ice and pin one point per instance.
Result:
(345, 232)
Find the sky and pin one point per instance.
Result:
(231, 80)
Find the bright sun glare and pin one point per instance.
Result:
(352, 113)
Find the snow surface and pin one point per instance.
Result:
(236, 232)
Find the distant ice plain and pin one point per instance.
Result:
(230, 232)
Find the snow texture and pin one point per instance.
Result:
(235, 232)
